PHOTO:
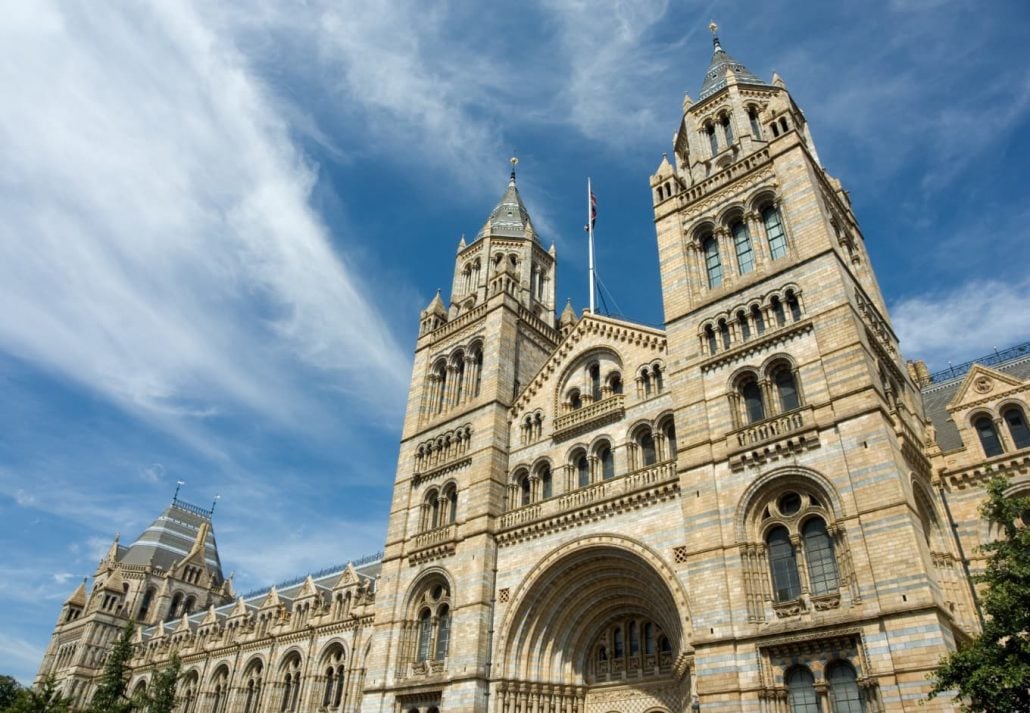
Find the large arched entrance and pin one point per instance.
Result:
(600, 624)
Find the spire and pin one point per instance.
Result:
(435, 306)
(78, 597)
(715, 77)
(509, 219)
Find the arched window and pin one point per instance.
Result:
(822, 565)
(794, 306)
(458, 369)
(745, 328)
(451, 504)
(783, 564)
(751, 393)
(713, 346)
(713, 140)
(595, 381)
(758, 319)
(604, 454)
(648, 639)
(669, 431)
(742, 242)
(801, 691)
(443, 632)
(634, 639)
(425, 634)
(756, 129)
(187, 607)
(647, 451)
(618, 647)
(144, 606)
(524, 489)
(786, 388)
(546, 486)
(575, 400)
(713, 265)
(844, 693)
(583, 470)
(988, 436)
(727, 129)
(477, 366)
(615, 383)
(774, 232)
(724, 334)
(1016, 421)
(327, 695)
(777, 309)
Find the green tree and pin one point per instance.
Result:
(160, 696)
(9, 688)
(42, 699)
(111, 696)
(992, 671)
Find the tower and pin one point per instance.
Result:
(172, 569)
(801, 435)
(472, 358)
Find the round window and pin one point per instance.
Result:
(789, 503)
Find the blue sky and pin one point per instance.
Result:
(221, 221)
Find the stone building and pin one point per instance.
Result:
(759, 507)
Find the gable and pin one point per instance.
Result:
(981, 385)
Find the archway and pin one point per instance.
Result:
(600, 619)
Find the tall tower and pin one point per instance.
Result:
(172, 569)
(801, 437)
(471, 360)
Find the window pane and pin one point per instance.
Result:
(712, 263)
(545, 483)
(742, 242)
(727, 127)
(801, 692)
(988, 436)
(443, 633)
(1016, 421)
(607, 463)
(425, 632)
(774, 232)
(647, 447)
(619, 649)
(784, 565)
(786, 390)
(822, 565)
(583, 468)
(756, 315)
(752, 394)
(844, 689)
(713, 141)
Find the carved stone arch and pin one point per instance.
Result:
(979, 412)
(740, 374)
(726, 216)
(1019, 486)
(222, 666)
(575, 449)
(330, 647)
(577, 365)
(701, 229)
(539, 463)
(596, 442)
(257, 661)
(778, 479)
(776, 359)
(423, 582)
(546, 625)
(518, 471)
(288, 654)
(761, 197)
(637, 428)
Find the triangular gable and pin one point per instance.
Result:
(569, 349)
(272, 600)
(349, 576)
(982, 383)
(210, 617)
(240, 609)
(308, 590)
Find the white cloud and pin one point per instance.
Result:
(963, 323)
(157, 224)
(21, 657)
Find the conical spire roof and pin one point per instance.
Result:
(174, 534)
(78, 597)
(715, 77)
(509, 219)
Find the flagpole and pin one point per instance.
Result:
(590, 240)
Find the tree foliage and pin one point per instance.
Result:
(9, 688)
(40, 699)
(160, 695)
(111, 692)
(992, 672)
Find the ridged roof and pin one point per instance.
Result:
(715, 77)
(170, 538)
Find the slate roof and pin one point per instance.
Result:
(715, 77)
(938, 394)
(170, 538)
(510, 218)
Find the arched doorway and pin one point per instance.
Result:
(599, 624)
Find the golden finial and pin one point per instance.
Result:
(514, 163)
(712, 27)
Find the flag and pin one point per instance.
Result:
(593, 210)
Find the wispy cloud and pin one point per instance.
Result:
(157, 230)
(22, 657)
(963, 323)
